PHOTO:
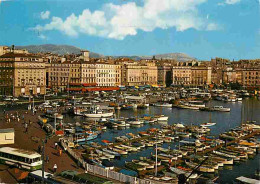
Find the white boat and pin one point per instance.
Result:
(239, 99)
(163, 105)
(133, 121)
(207, 124)
(186, 173)
(198, 104)
(99, 114)
(221, 108)
(162, 118)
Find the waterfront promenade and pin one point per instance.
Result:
(31, 141)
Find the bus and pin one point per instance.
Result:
(23, 159)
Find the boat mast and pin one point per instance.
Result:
(242, 113)
(156, 156)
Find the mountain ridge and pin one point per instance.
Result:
(68, 49)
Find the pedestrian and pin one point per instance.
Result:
(47, 159)
(78, 164)
(4, 111)
(26, 128)
(56, 145)
(60, 152)
(39, 149)
(55, 168)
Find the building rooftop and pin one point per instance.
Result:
(14, 55)
(7, 130)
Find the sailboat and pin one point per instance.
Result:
(210, 123)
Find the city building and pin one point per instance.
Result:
(191, 74)
(139, 74)
(22, 74)
(7, 136)
(5, 50)
(181, 75)
(165, 74)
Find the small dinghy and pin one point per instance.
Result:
(207, 124)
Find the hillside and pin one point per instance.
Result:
(67, 49)
(57, 49)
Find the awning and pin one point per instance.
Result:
(103, 89)
(89, 84)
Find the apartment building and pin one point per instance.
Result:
(137, 74)
(191, 74)
(181, 75)
(58, 75)
(200, 75)
(22, 74)
(106, 74)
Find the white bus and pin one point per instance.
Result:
(20, 158)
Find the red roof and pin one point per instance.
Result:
(75, 84)
(102, 89)
(89, 84)
(74, 89)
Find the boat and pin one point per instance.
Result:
(161, 118)
(186, 172)
(111, 152)
(53, 115)
(242, 179)
(96, 112)
(83, 137)
(120, 151)
(133, 121)
(203, 168)
(134, 166)
(207, 124)
(163, 105)
(221, 108)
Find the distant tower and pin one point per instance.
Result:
(85, 54)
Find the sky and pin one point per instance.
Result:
(203, 29)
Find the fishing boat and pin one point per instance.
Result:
(120, 151)
(163, 105)
(161, 118)
(96, 112)
(53, 115)
(203, 168)
(133, 121)
(83, 137)
(221, 108)
(106, 150)
(185, 171)
(134, 166)
(207, 124)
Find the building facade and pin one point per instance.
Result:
(22, 74)
(191, 74)
(139, 75)
(165, 75)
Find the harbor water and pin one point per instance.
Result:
(247, 110)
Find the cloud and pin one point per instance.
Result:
(43, 37)
(232, 1)
(45, 15)
(229, 2)
(118, 21)
(3, 1)
(212, 27)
